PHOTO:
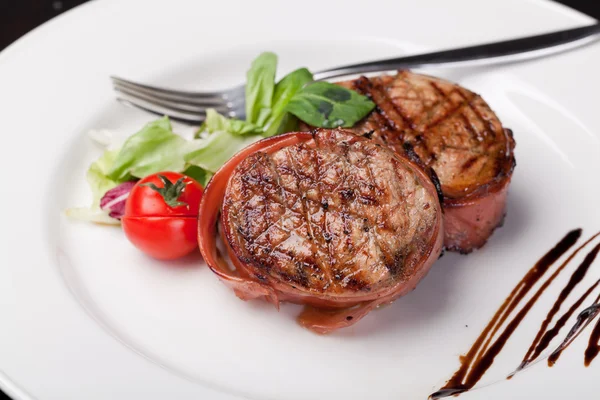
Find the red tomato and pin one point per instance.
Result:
(161, 215)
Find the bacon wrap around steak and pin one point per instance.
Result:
(339, 223)
(453, 132)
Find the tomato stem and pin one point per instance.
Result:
(169, 192)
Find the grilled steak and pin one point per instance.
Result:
(336, 221)
(453, 132)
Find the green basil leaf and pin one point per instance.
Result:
(285, 90)
(326, 105)
(212, 152)
(153, 149)
(260, 83)
(201, 175)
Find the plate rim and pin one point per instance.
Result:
(7, 384)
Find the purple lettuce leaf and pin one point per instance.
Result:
(114, 200)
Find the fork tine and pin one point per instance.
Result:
(175, 106)
(216, 101)
(234, 95)
(187, 118)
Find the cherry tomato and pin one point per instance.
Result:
(161, 215)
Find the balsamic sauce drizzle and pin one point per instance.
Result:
(593, 346)
(544, 336)
(484, 350)
(583, 320)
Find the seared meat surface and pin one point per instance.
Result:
(453, 132)
(336, 216)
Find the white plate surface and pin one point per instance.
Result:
(84, 315)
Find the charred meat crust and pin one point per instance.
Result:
(451, 129)
(338, 215)
(456, 138)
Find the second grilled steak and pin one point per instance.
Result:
(452, 131)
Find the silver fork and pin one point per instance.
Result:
(190, 107)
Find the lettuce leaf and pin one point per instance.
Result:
(271, 108)
(153, 149)
(97, 176)
(216, 122)
(213, 151)
(99, 184)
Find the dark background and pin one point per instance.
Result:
(18, 17)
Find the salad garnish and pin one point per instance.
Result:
(272, 107)
(114, 200)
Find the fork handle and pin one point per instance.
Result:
(498, 52)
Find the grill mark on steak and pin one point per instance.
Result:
(347, 196)
(401, 111)
(364, 86)
(315, 238)
(284, 195)
(374, 194)
(326, 236)
(456, 110)
(469, 126)
(386, 129)
(469, 163)
(394, 259)
(245, 230)
(446, 125)
(332, 238)
(442, 103)
(344, 189)
(264, 182)
(489, 128)
(306, 223)
(396, 267)
(393, 114)
(391, 256)
(456, 137)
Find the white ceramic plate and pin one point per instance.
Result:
(85, 315)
